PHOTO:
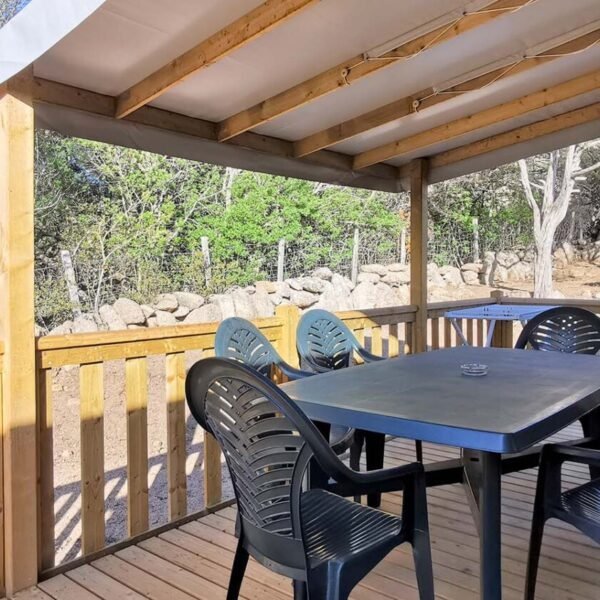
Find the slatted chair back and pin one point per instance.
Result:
(240, 340)
(267, 443)
(324, 342)
(562, 329)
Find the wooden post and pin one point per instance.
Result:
(65, 257)
(418, 251)
(355, 244)
(280, 259)
(206, 256)
(290, 315)
(17, 331)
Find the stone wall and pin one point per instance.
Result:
(377, 286)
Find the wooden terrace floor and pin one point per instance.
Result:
(193, 561)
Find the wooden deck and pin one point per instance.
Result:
(193, 561)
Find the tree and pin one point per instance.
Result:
(549, 197)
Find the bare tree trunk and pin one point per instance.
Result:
(549, 206)
(230, 175)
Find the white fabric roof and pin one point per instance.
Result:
(106, 47)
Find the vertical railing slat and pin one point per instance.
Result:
(447, 333)
(176, 450)
(136, 386)
(46, 469)
(212, 471)
(435, 334)
(470, 337)
(376, 341)
(394, 341)
(92, 456)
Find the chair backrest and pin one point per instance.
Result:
(239, 339)
(562, 329)
(324, 342)
(267, 442)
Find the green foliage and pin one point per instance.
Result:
(133, 223)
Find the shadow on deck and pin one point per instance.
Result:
(193, 561)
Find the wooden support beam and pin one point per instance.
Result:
(17, 332)
(58, 94)
(418, 252)
(357, 67)
(567, 120)
(496, 114)
(428, 97)
(222, 43)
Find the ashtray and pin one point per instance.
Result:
(474, 369)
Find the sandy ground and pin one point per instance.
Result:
(574, 282)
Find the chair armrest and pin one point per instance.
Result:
(292, 373)
(367, 356)
(558, 453)
(382, 480)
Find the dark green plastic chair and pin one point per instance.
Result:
(324, 344)
(580, 506)
(241, 340)
(325, 543)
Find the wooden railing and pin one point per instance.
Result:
(89, 352)
(386, 331)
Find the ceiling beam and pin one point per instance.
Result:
(526, 133)
(428, 97)
(567, 120)
(235, 35)
(496, 114)
(356, 68)
(51, 92)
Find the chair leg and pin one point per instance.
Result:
(237, 572)
(423, 566)
(419, 450)
(300, 592)
(375, 448)
(535, 547)
(355, 452)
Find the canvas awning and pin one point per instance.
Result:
(341, 91)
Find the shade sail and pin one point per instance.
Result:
(268, 80)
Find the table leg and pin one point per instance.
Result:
(459, 331)
(490, 334)
(482, 483)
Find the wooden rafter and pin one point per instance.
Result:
(485, 118)
(235, 35)
(51, 92)
(356, 68)
(526, 133)
(428, 97)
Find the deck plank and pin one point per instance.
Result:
(193, 561)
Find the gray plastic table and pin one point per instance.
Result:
(493, 313)
(526, 397)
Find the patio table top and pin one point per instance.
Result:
(525, 397)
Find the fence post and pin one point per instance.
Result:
(476, 251)
(65, 257)
(280, 259)
(354, 272)
(206, 256)
(403, 246)
(290, 315)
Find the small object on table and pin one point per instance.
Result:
(474, 369)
